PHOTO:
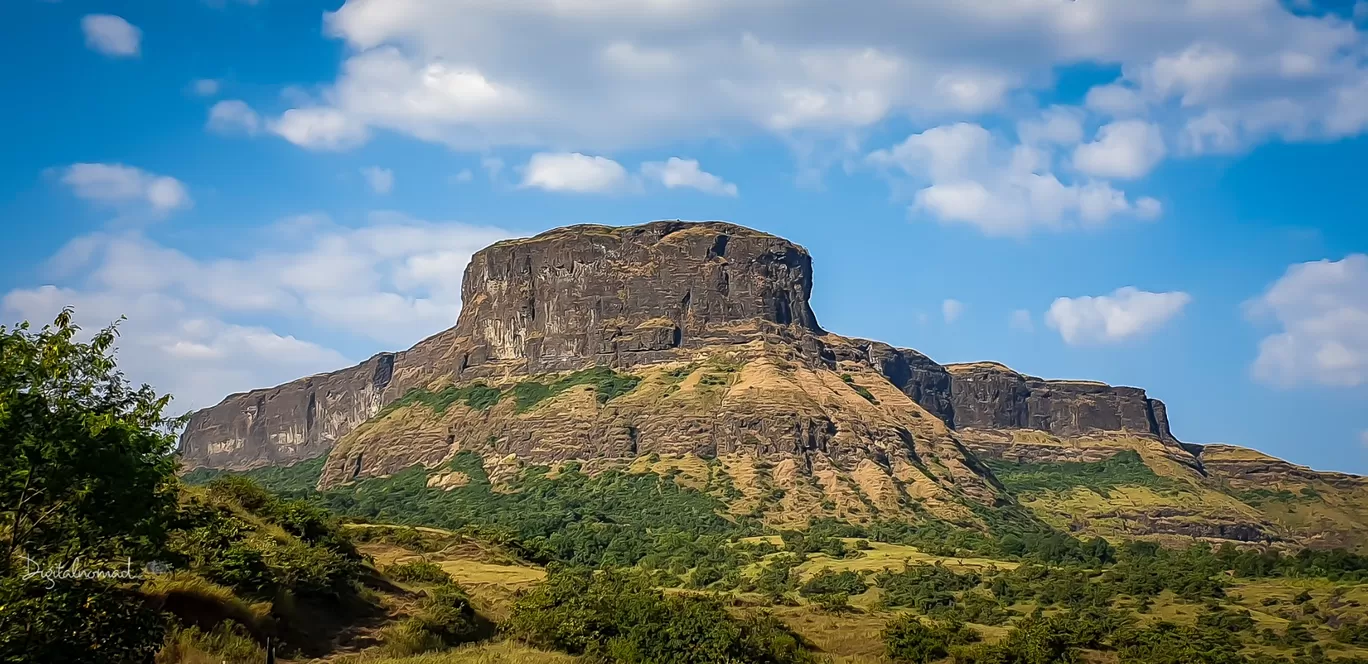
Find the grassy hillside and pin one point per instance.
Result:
(847, 592)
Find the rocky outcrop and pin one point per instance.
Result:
(624, 296)
(987, 395)
(715, 353)
(566, 299)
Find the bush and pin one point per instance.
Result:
(417, 571)
(908, 639)
(827, 582)
(617, 617)
(445, 619)
(87, 621)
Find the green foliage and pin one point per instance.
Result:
(1124, 469)
(827, 582)
(833, 602)
(81, 620)
(445, 618)
(1048, 640)
(923, 587)
(615, 617)
(608, 385)
(614, 518)
(803, 543)
(418, 571)
(86, 474)
(294, 481)
(226, 536)
(87, 469)
(476, 396)
(908, 639)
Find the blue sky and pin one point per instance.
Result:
(1166, 194)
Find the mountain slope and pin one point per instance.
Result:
(683, 340)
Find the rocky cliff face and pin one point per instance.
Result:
(566, 299)
(702, 344)
(624, 296)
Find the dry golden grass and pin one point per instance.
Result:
(502, 652)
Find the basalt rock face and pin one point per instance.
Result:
(566, 299)
(297, 420)
(986, 395)
(711, 351)
(624, 296)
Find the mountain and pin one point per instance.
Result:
(612, 346)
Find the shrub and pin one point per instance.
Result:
(616, 617)
(445, 618)
(417, 571)
(227, 643)
(827, 582)
(908, 639)
(87, 621)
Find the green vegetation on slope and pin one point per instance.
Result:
(1124, 469)
(614, 518)
(608, 385)
(477, 396)
(620, 618)
(296, 480)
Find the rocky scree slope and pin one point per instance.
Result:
(601, 344)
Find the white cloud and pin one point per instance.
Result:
(1020, 320)
(676, 172)
(1124, 314)
(233, 116)
(619, 74)
(194, 323)
(465, 175)
(574, 172)
(319, 128)
(961, 173)
(951, 310)
(1115, 99)
(132, 191)
(1125, 149)
(197, 359)
(111, 35)
(381, 180)
(1322, 307)
(205, 87)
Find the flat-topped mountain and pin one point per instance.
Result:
(606, 345)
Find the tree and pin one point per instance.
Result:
(87, 458)
(87, 480)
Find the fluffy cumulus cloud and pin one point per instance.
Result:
(1322, 307)
(1020, 320)
(964, 174)
(194, 323)
(131, 191)
(686, 173)
(1126, 149)
(111, 35)
(600, 76)
(574, 172)
(319, 128)
(1124, 314)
